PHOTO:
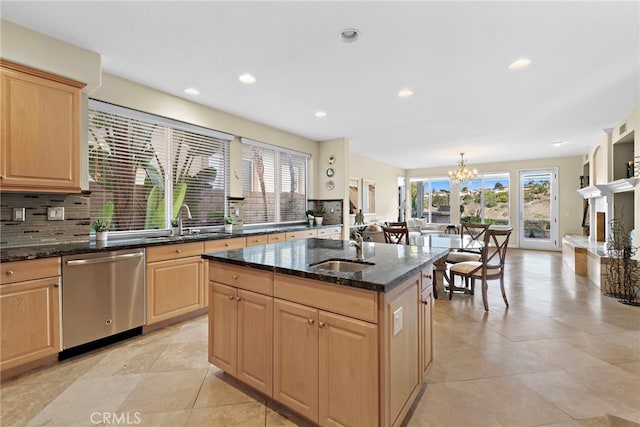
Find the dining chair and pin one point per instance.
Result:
(397, 234)
(474, 232)
(490, 266)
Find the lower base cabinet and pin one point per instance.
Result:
(241, 327)
(29, 312)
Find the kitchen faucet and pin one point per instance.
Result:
(358, 244)
(184, 206)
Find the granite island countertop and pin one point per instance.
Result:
(392, 264)
(52, 249)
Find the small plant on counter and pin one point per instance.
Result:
(175, 222)
(319, 211)
(101, 224)
(228, 220)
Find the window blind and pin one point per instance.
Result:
(274, 183)
(143, 167)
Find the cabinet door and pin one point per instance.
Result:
(174, 288)
(255, 340)
(426, 352)
(348, 371)
(29, 321)
(295, 358)
(40, 146)
(223, 327)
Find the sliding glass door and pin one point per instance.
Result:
(538, 215)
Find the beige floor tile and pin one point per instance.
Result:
(162, 419)
(511, 402)
(127, 360)
(182, 355)
(164, 391)
(464, 363)
(618, 387)
(219, 389)
(21, 402)
(283, 418)
(84, 397)
(558, 354)
(604, 347)
(568, 393)
(240, 415)
(519, 329)
(444, 406)
(632, 367)
(69, 369)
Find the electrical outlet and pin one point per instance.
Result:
(397, 321)
(18, 214)
(55, 214)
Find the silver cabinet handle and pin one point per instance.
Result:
(104, 259)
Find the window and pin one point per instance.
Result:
(485, 199)
(142, 168)
(435, 203)
(274, 183)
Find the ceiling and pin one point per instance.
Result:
(584, 74)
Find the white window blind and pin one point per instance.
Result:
(142, 168)
(274, 183)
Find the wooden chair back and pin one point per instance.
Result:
(396, 234)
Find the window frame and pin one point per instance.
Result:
(277, 180)
(169, 127)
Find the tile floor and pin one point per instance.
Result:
(562, 355)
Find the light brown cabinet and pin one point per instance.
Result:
(426, 312)
(325, 365)
(241, 324)
(334, 233)
(29, 312)
(301, 234)
(40, 138)
(175, 281)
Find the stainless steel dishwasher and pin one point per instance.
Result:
(103, 294)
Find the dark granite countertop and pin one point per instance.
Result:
(392, 263)
(50, 249)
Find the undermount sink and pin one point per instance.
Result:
(342, 265)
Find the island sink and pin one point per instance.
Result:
(342, 265)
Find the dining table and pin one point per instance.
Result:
(451, 242)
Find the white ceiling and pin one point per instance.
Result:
(584, 75)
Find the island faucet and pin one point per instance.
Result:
(184, 206)
(358, 244)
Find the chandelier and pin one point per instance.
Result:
(462, 173)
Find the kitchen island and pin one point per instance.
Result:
(338, 347)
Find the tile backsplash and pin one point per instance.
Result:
(36, 228)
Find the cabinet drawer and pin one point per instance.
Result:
(330, 232)
(302, 234)
(224, 244)
(18, 271)
(351, 302)
(427, 277)
(247, 278)
(257, 240)
(180, 250)
(276, 237)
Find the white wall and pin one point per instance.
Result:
(386, 178)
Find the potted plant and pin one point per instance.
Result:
(318, 214)
(101, 226)
(175, 224)
(310, 217)
(228, 224)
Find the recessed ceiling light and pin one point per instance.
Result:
(405, 93)
(247, 79)
(557, 143)
(320, 114)
(192, 91)
(519, 64)
(349, 35)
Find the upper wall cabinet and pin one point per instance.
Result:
(40, 139)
